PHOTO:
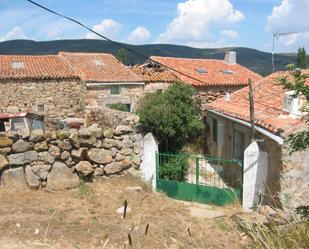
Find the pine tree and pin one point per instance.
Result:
(301, 58)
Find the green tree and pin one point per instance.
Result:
(301, 58)
(297, 83)
(122, 55)
(172, 116)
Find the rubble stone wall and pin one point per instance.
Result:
(59, 159)
(55, 99)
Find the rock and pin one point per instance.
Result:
(54, 151)
(114, 151)
(32, 179)
(134, 188)
(41, 170)
(22, 158)
(126, 163)
(46, 157)
(126, 151)
(136, 160)
(121, 210)
(88, 142)
(74, 138)
(127, 141)
(37, 136)
(95, 131)
(5, 151)
(43, 146)
(61, 177)
(109, 143)
(21, 146)
(12, 135)
(80, 154)
(108, 132)
(17, 225)
(98, 172)
(69, 162)
(84, 167)
(65, 155)
(119, 157)
(14, 179)
(63, 134)
(100, 156)
(123, 129)
(65, 145)
(36, 231)
(115, 167)
(3, 162)
(136, 149)
(84, 133)
(205, 213)
(5, 141)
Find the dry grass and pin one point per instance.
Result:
(86, 218)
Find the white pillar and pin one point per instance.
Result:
(255, 174)
(148, 165)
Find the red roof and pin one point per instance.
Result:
(99, 67)
(217, 72)
(38, 67)
(268, 106)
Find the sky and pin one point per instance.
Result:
(196, 23)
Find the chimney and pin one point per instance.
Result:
(230, 57)
(291, 104)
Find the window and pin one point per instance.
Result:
(40, 108)
(214, 130)
(201, 70)
(18, 124)
(36, 124)
(115, 90)
(239, 145)
(227, 71)
(17, 64)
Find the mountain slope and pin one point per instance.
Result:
(256, 60)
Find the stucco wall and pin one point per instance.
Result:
(59, 98)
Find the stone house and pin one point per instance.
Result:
(61, 86)
(276, 116)
(211, 78)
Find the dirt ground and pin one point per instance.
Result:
(86, 218)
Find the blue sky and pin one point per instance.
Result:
(197, 23)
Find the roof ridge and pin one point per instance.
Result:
(60, 53)
(185, 58)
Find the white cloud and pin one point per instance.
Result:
(230, 34)
(15, 33)
(290, 16)
(196, 21)
(139, 35)
(107, 27)
(54, 33)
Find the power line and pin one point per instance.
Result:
(112, 41)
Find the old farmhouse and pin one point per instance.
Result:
(277, 115)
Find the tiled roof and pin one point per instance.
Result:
(34, 67)
(99, 67)
(150, 74)
(218, 72)
(268, 106)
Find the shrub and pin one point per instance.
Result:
(174, 168)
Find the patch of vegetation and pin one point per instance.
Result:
(84, 190)
(174, 168)
(119, 107)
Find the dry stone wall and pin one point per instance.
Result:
(59, 159)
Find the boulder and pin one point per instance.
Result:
(90, 142)
(84, 167)
(61, 177)
(12, 135)
(95, 131)
(65, 145)
(5, 141)
(74, 138)
(119, 157)
(100, 156)
(136, 160)
(3, 162)
(123, 129)
(108, 132)
(21, 146)
(33, 180)
(65, 155)
(14, 179)
(127, 141)
(5, 151)
(63, 134)
(54, 151)
(80, 154)
(37, 136)
(98, 172)
(115, 167)
(46, 157)
(41, 170)
(43, 146)
(22, 158)
(84, 133)
(126, 151)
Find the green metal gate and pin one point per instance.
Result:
(201, 179)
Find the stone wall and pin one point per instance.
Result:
(55, 99)
(57, 159)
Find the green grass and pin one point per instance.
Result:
(84, 190)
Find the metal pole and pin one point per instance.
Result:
(273, 53)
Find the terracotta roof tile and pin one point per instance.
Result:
(268, 106)
(99, 67)
(34, 67)
(215, 75)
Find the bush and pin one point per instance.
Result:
(174, 168)
(119, 107)
(172, 116)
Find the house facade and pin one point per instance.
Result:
(230, 134)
